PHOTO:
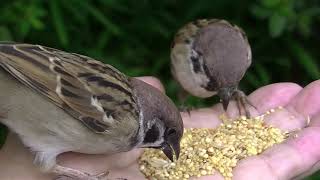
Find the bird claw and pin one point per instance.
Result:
(186, 109)
(243, 102)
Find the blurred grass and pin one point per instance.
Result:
(135, 37)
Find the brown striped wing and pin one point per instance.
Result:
(95, 93)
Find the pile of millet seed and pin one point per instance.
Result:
(204, 151)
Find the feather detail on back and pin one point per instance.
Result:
(95, 93)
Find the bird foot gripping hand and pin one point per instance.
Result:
(243, 103)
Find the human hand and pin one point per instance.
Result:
(295, 158)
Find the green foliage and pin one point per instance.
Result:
(135, 36)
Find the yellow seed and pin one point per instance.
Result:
(229, 174)
(211, 150)
(205, 150)
(252, 150)
(203, 172)
(209, 168)
(208, 140)
(243, 117)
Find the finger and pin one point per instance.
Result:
(216, 176)
(153, 82)
(297, 155)
(251, 168)
(283, 161)
(274, 95)
(286, 120)
(204, 117)
(131, 173)
(298, 112)
(315, 121)
(101, 162)
(305, 145)
(307, 101)
(264, 98)
(309, 172)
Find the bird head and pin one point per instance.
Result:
(160, 121)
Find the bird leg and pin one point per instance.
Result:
(66, 173)
(242, 102)
(239, 104)
(182, 98)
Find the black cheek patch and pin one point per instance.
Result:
(212, 85)
(196, 64)
(151, 135)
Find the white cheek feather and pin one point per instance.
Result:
(142, 131)
(160, 139)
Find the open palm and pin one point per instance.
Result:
(295, 158)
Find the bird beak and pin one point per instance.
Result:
(169, 149)
(225, 96)
(225, 103)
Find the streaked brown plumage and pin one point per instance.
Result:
(86, 106)
(210, 57)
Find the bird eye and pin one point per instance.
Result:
(171, 132)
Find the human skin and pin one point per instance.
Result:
(295, 158)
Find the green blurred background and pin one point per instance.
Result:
(135, 36)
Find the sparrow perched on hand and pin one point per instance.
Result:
(60, 102)
(210, 57)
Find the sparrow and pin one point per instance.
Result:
(209, 57)
(59, 102)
